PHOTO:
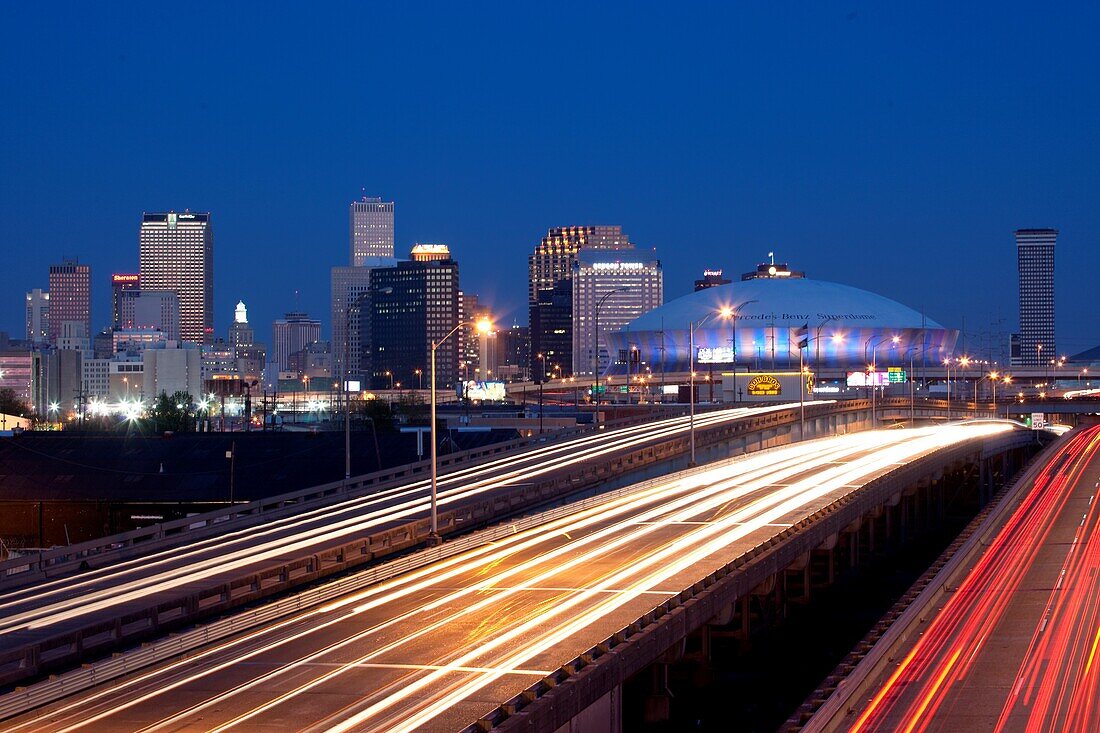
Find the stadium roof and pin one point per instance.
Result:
(786, 303)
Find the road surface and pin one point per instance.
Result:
(1014, 647)
(439, 647)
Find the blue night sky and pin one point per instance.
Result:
(891, 148)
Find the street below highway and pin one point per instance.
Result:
(1014, 647)
(438, 647)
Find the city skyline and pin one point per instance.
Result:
(903, 171)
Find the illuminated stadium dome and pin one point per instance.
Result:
(844, 327)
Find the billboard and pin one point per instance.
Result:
(714, 355)
(482, 391)
(764, 385)
(868, 379)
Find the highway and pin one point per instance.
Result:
(436, 648)
(1014, 647)
(105, 593)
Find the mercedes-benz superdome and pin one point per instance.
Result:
(760, 323)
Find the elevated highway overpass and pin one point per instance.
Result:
(548, 619)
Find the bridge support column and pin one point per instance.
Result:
(658, 703)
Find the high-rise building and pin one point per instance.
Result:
(70, 296)
(711, 279)
(38, 316)
(1035, 260)
(177, 253)
(412, 305)
(554, 256)
(240, 333)
(552, 262)
(150, 309)
(552, 320)
(371, 231)
(121, 283)
(291, 334)
(351, 319)
(621, 285)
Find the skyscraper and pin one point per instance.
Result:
(349, 286)
(551, 263)
(70, 296)
(412, 305)
(292, 334)
(150, 309)
(38, 316)
(177, 253)
(628, 283)
(371, 231)
(1035, 260)
(121, 283)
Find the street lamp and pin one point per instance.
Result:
(420, 377)
(596, 343)
(484, 327)
(542, 378)
(725, 312)
(390, 375)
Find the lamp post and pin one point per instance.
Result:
(726, 312)
(993, 375)
(596, 343)
(874, 369)
(420, 377)
(542, 378)
(735, 316)
(483, 327)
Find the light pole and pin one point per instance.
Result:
(596, 343)
(726, 312)
(542, 378)
(483, 327)
(874, 369)
(993, 375)
(420, 377)
(733, 349)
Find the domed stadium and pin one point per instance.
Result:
(760, 324)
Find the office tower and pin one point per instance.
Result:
(250, 356)
(1035, 260)
(554, 256)
(240, 333)
(511, 357)
(474, 358)
(371, 232)
(621, 285)
(150, 310)
(70, 296)
(38, 316)
(552, 262)
(121, 283)
(552, 319)
(177, 253)
(291, 334)
(412, 305)
(349, 315)
(711, 279)
(75, 337)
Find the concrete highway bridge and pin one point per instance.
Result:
(529, 624)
